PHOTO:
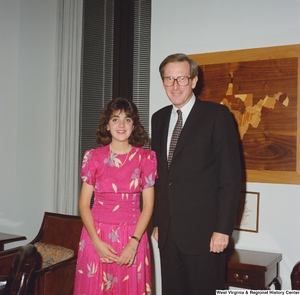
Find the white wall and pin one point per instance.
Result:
(200, 26)
(27, 90)
(27, 75)
(9, 50)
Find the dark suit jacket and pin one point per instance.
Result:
(199, 194)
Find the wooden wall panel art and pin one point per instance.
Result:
(261, 89)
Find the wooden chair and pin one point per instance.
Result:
(20, 279)
(59, 230)
(295, 277)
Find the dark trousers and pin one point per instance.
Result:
(190, 274)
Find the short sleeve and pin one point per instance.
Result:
(149, 169)
(88, 168)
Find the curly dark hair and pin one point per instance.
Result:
(138, 137)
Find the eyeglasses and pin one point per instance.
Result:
(181, 81)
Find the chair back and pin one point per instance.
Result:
(64, 231)
(60, 229)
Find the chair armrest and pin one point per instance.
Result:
(56, 266)
(57, 278)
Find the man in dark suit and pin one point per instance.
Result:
(197, 195)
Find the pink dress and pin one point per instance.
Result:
(118, 181)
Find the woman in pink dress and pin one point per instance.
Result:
(114, 252)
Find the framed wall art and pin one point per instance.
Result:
(247, 216)
(261, 89)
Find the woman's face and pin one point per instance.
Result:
(120, 126)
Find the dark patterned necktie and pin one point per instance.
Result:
(174, 138)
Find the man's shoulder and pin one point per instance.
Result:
(210, 105)
(163, 111)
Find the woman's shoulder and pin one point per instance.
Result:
(145, 152)
(97, 152)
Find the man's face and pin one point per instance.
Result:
(179, 95)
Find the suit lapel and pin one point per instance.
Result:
(165, 120)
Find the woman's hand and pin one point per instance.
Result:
(128, 254)
(106, 252)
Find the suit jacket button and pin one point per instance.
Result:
(170, 183)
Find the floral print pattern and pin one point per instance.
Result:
(118, 181)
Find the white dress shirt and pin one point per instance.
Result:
(174, 116)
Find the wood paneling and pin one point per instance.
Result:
(255, 84)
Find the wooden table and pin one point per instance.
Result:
(253, 269)
(9, 238)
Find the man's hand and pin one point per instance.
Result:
(218, 242)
